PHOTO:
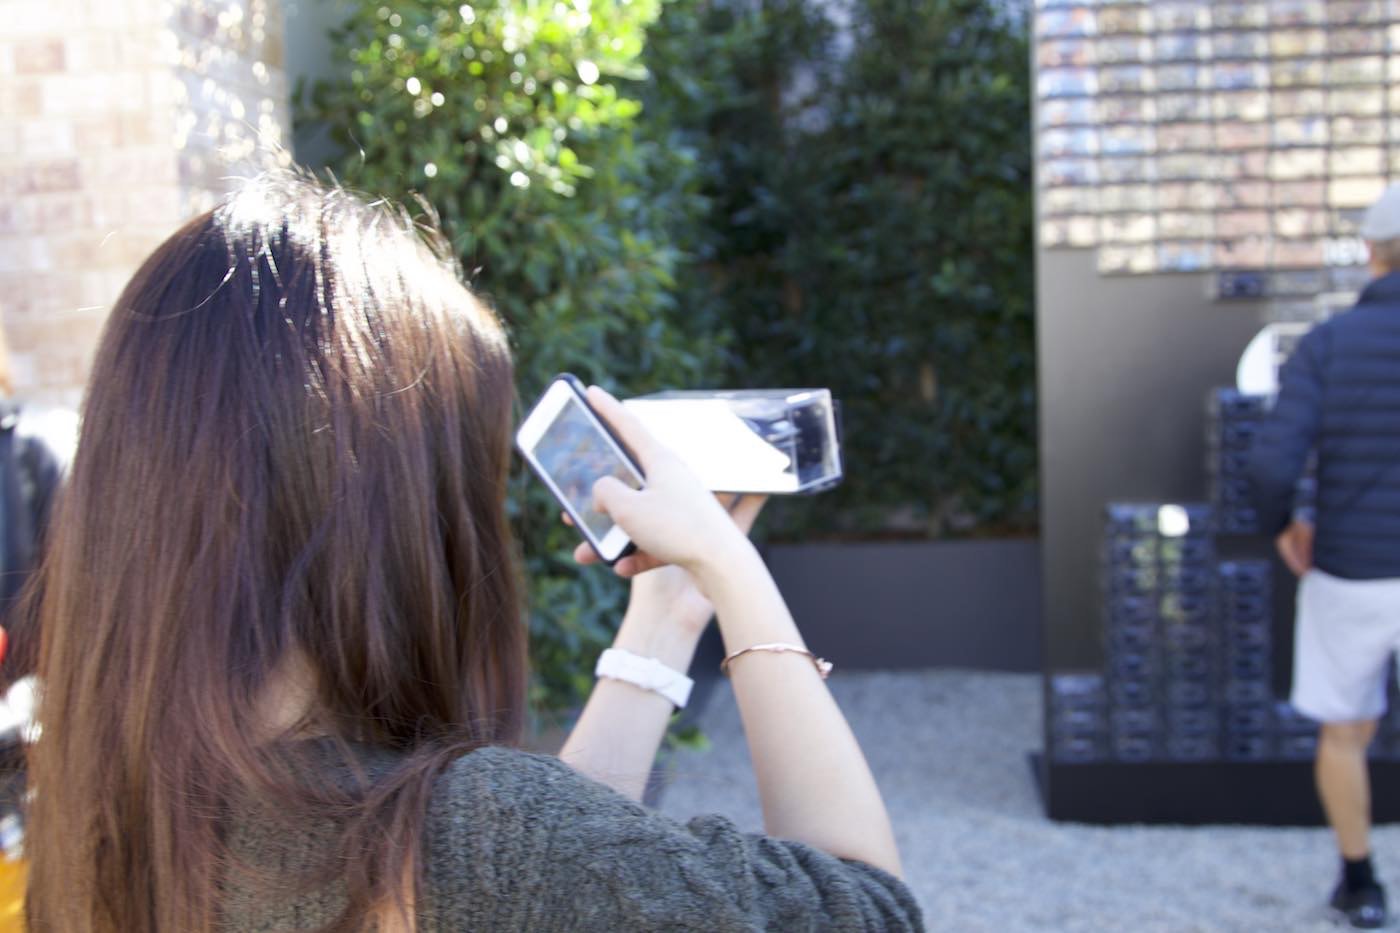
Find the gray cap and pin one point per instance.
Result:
(1382, 221)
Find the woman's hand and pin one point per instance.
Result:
(670, 593)
(673, 519)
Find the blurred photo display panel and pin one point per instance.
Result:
(1188, 135)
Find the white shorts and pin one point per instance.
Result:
(1345, 634)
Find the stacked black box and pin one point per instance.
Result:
(1131, 631)
(1078, 717)
(1246, 621)
(1295, 733)
(1190, 653)
(1231, 425)
(1387, 743)
(1157, 583)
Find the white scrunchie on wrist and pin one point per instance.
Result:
(647, 673)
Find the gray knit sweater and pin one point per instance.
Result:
(517, 841)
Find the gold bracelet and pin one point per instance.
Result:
(823, 666)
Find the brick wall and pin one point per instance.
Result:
(121, 119)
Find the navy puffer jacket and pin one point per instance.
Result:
(1339, 394)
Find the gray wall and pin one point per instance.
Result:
(308, 59)
(1125, 365)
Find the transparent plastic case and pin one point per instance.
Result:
(770, 441)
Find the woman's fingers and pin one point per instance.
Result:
(615, 499)
(635, 563)
(638, 562)
(637, 438)
(629, 566)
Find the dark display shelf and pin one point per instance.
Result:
(1260, 793)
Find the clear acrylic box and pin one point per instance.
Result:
(770, 441)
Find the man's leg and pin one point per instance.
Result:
(1344, 784)
(1345, 633)
(1345, 789)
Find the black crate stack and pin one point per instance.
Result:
(1078, 717)
(1296, 734)
(1190, 649)
(1387, 744)
(1188, 653)
(1232, 422)
(1188, 638)
(1157, 582)
(1130, 579)
(1246, 623)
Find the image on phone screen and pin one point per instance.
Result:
(575, 453)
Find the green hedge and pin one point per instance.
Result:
(696, 194)
(569, 214)
(873, 210)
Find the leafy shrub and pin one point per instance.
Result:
(518, 123)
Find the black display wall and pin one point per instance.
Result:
(1125, 368)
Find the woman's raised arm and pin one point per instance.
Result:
(813, 780)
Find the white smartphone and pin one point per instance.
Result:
(571, 448)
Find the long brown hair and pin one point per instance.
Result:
(293, 455)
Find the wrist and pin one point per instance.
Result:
(721, 566)
(670, 643)
(645, 673)
(748, 605)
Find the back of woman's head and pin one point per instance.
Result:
(286, 518)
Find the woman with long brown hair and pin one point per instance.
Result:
(283, 660)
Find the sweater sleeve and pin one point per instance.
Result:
(1280, 452)
(523, 842)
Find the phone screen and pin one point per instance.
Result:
(576, 453)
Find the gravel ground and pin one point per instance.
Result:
(949, 751)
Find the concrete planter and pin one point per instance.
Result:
(915, 604)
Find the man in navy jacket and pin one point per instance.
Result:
(1339, 399)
